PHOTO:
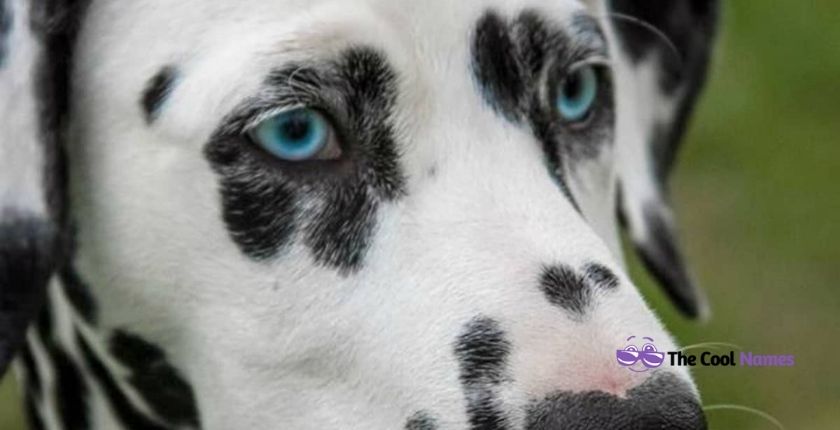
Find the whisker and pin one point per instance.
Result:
(711, 345)
(762, 414)
(655, 31)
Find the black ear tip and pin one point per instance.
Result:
(26, 262)
(660, 253)
(666, 265)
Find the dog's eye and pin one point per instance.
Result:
(577, 94)
(297, 135)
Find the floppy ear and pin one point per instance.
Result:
(35, 44)
(664, 50)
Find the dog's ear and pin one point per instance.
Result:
(664, 50)
(36, 38)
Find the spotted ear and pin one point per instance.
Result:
(664, 50)
(35, 45)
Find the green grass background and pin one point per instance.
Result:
(759, 204)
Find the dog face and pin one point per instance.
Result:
(373, 214)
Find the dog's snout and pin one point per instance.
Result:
(664, 401)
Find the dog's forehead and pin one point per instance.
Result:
(289, 26)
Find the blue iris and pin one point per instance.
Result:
(294, 135)
(577, 94)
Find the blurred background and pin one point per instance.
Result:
(757, 197)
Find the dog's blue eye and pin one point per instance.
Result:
(294, 135)
(577, 94)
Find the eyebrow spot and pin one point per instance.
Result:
(498, 66)
(157, 90)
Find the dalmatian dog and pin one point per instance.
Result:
(343, 214)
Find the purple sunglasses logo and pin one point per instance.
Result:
(647, 355)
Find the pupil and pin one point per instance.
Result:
(296, 128)
(573, 86)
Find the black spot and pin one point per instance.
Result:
(601, 276)
(421, 421)
(6, 20)
(78, 294)
(565, 288)
(156, 92)
(663, 402)
(331, 205)
(123, 409)
(155, 379)
(662, 257)
(71, 390)
(26, 263)
(482, 352)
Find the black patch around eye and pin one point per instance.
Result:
(26, 263)
(155, 379)
(421, 421)
(332, 205)
(120, 405)
(5, 29)
(343, 234)
(259, 210)
(157, 90)
(482, 351)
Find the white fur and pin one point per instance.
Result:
(21, 153)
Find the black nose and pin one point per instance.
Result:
(664, 401)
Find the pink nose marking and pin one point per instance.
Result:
(616, 383)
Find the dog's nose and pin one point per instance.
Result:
(664, 401)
